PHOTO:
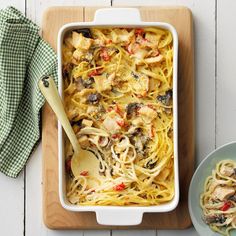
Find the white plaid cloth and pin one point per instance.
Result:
(24, 59)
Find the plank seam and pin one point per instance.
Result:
(216, 2)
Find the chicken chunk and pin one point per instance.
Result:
(111, 125)
(86, 122)
(212, 186)
(121, 35)
(102, 83)
(148, 114)
(153, 84)
(223, 193)
(141, 85)
(140, 54)
(156, 59)
(226, 170)
(79, 41)
(77, 55)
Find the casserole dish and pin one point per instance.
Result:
(117, 215)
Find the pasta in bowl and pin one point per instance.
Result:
(212, 193)
(218, 200)
(119, 91)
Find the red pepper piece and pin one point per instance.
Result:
(109, 41)
(129, 49)
(109, 109)
(104, 55)
(115, 136)
(118, 111)
(150, 106)
(226, 206)
(152, 132)
(144, 94)
(93, 73)
(84, 173)
(139, 31)
(121, 123)
(100, 139)
(120, 187)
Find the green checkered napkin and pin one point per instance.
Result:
(24, 58)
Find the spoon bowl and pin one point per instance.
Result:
(82, 159)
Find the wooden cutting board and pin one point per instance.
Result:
(55, 217)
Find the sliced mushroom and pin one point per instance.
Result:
(85, 32)
(150, 164)
(88, 82)
(131, 109)
(232, 198)
(210, 219)
(94, 98)
(165, 99)
(79, 84)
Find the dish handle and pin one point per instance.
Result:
(109, 16)
(119, 217)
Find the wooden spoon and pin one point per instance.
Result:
(82, 159)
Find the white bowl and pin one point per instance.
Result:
(227, 151)
(117, 215)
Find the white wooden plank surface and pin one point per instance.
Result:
(19, 4)
(12, 205)
(35, 8)
(134, 233)
(187, 232)
(226, 72)
(97, 233)
(12, 190)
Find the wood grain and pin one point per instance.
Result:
(55, 216)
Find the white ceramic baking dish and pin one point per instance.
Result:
(117, 215)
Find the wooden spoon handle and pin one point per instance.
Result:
(50, 92)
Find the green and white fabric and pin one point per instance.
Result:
(24, 58)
